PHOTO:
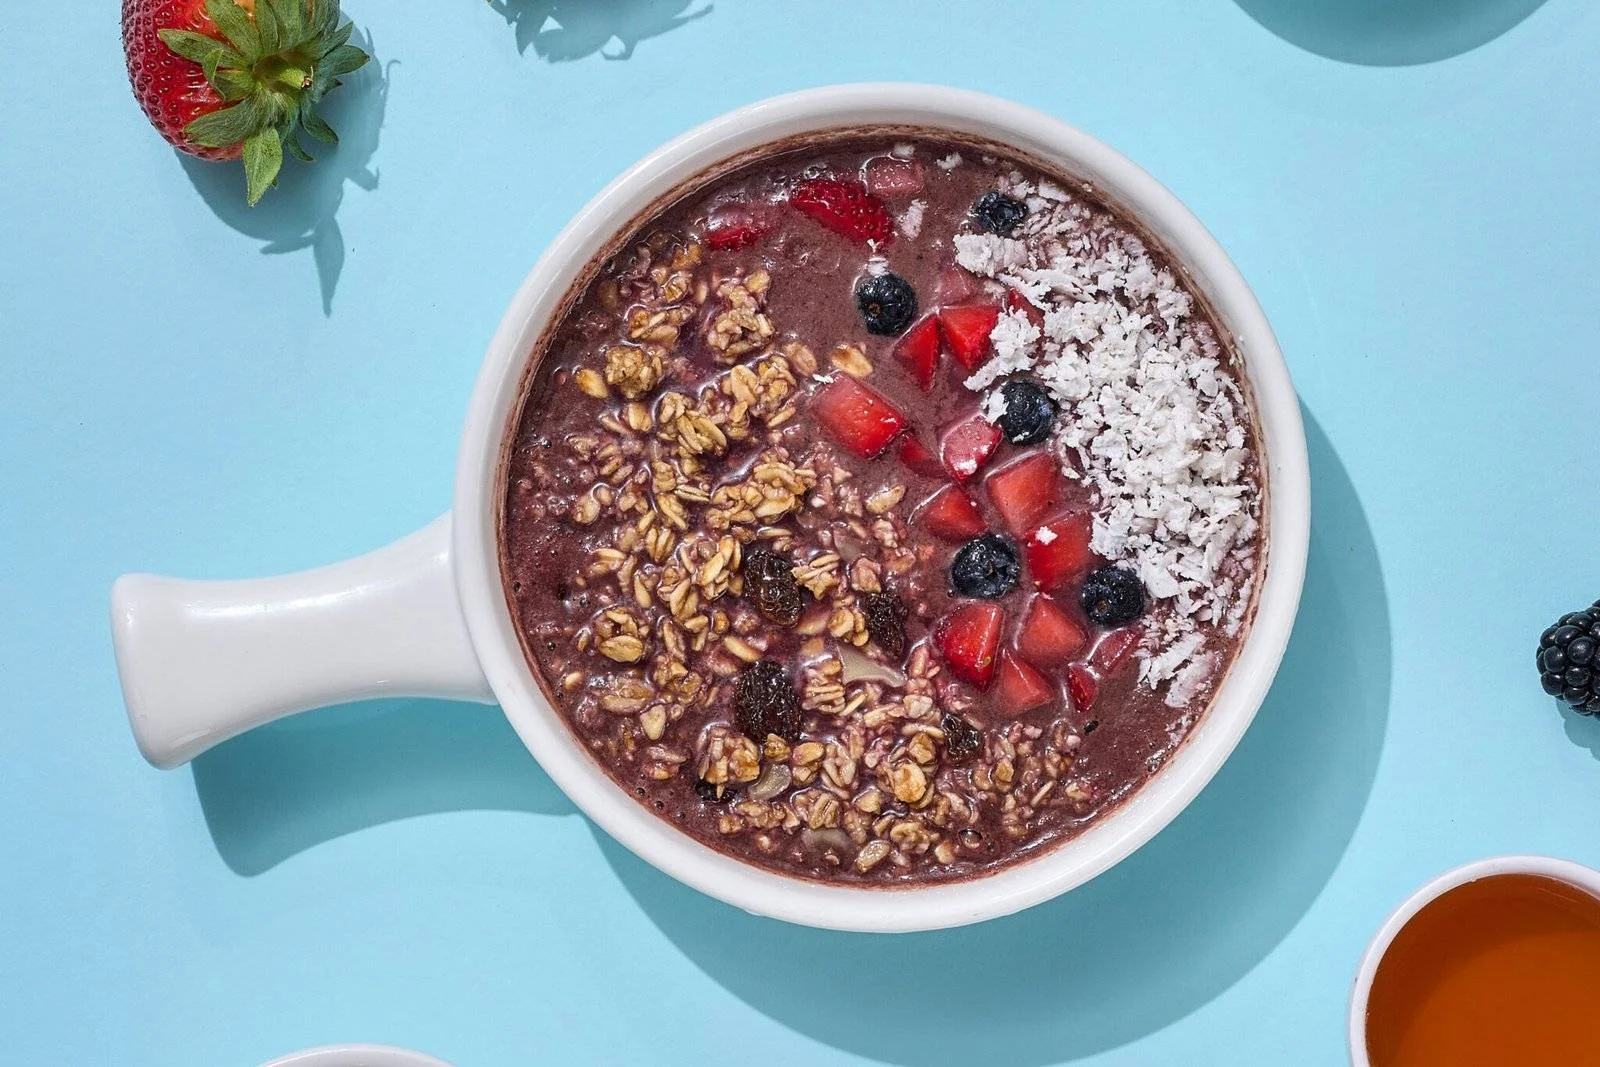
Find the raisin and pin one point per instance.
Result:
(962, 740)
(711, 794)
(886, 621)
(769, 583)
(764, 703)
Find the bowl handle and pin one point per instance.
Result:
(203, 661)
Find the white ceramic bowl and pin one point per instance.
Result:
(356, 1056)
(1574, 874)
(428, 615)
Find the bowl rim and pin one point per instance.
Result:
(357, 1055)
(938, 905)
(1574, 874)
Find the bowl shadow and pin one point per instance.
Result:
(302, 211)
(282, 788)
(1389, 33)
(1151, 940)
(562, 30)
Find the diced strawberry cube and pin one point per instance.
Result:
(954, 286)
(737, 226)
(951, 514)
(1015, 301)
(966, 331)
(856, 416)
(919, 457)
(1026, 491)
(969, 641)
(1058, 551)
(891, 178)
(1049, 636)
(967, 445)
(918, 349)
(1114, 649)
(1082, 686)
(1018, 688)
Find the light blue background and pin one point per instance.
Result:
(1423, 235)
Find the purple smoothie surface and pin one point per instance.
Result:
(734, 593)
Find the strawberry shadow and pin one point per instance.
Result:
(563, 30)
(1389, 33)
(302, 212)
(1154, 939)
(272, 793)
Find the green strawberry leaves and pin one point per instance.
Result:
(272, 70)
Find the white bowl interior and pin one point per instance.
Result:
(495, 402)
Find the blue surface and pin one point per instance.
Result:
(192, 388)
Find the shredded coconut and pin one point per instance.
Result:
(903, 150)
(993, 407)
(951, 162)
(1150, 415)
(910, 220)
(1044, 535)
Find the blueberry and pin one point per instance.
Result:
(1112, 596)
(995, 212)
(986, 568)
(887, 303)
(1030, 413)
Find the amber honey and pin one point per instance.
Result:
(1503, 971)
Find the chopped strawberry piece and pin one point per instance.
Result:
(1114, 649)
(918, 349)
(845, 207)
(966, 330)
(1018, 688)
(954, 286)
(951, 514)
(736, 226)
(1049, 636)
(1015, 301)
(890, 178)
(1059, 551)
(918, 457)
(969, 641)
(856, 416)
(1026, 491)
(967, 445)
(1082, 686)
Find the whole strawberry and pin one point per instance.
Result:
(225, 79)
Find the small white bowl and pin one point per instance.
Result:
(1574, 874)
(356, 1056)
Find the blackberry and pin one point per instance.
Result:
(995, 212)
(764, 702)
(986, 568)
(886, 621)
(1030, 413)
(1112, 596)
(1569, 660)
(887, 303)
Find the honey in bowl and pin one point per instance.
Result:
(1502, 970)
